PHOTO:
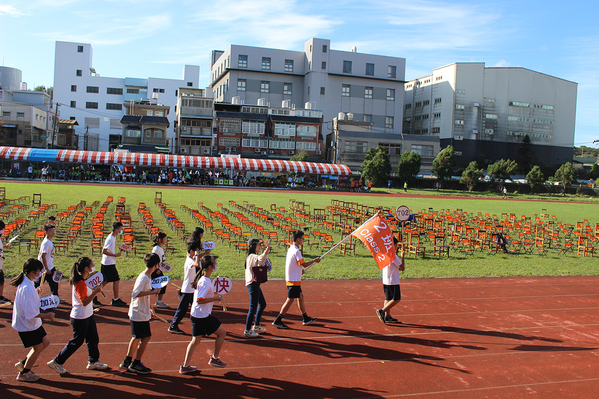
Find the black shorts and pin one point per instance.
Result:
(1, 277)
(32, 338)
(294, 291)
(157, 273)
(392, 292)
(205, 326)
(110, 273)
(140, 329)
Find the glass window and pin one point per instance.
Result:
(80, 49)
(241, 84)
(370, 69)
(425, 103)
(437, 101)
(91, 105)
(322, 90)
(242, 61)
(345, 90)
(73, 87)
(391, 95)
(264, 87)
(458, 122)
(266, 63)
(73, 104)
(389, 122)
(324, 65)
(20, 114)
(93, 89)
(288, 65)
(423, 150)
(391, 71)
(132, 91)
(459, 106)
(114, 90)
(79, 72)
(368, 92)
(367, 118)
(356, 146)
(189, 84)
(287, 88)
(346, 66)
(115, 107)
(324, 48)
(159, 113)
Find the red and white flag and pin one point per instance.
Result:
(376, 234)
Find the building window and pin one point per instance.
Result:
(157, 90)
(517, 119)
(322, 90)
(242, 62)
(79, 72)
(266, 63)
(189, 84)
(458, 122)
(345, 90)
(423, 150)
(369, 69)
(91, 105)
(73, 88)
(114, 107)
(436, 130)
(114, 90)
(519, 104)
(287, 88)
(92, 123)
(359, 147)
(324, 48)
(346, 66)
(437, 101)
(437, 115)
(389, 122)
(241, 84)
(367, 118)
(93, 89)
(460, 91)
(391, 71)
(73, 104)
(408, 106)
(438, 78)
(6, 114)
(80, 49)
(459, 106)
(323, 65)
(288, 65)
(368, 92)
(425, 103)
(418, 104)
(132, 91)
(491, 116)
(264, 87)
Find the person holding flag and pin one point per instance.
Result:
(391, 286)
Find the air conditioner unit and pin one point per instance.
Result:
(214, 148)
(291, 152)
(318, 152)
(257, 150)
(233, 149)
(184, 150)
(271, 151)
(183, 128)
(263, 152)
(205, 150)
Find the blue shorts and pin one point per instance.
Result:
(140, 329)
(294, 291)
(392, 292)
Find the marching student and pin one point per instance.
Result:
(2, 246)
(294, 268)
(108, 266)
(190, 269)
(46, 256)
(159, 243)
(82, 319)
(202, 321)
(27, 319)
(255, 274)
(139, 314)
(391, 286)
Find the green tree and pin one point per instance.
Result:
(376, 166)
(566, 174)
(526, 156)
(471, 175)
(535, 178)
(444, 163)
(302, 156)
(595, 171)
(43, 88)
(502, 169)
(409, 167)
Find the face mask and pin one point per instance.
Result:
(1, 232)
(121, 232)
(93, 269)
(38, 275)
(215, 268)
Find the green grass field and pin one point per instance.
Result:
(334, 266)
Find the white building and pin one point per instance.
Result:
(368, 86)
(485, 112)
(98, 103)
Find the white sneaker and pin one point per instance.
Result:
(259, 329)
(97, 365)
(27, 377)
(160, 304)
(250, 334)
(56, 367)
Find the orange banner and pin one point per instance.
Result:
(378, 238)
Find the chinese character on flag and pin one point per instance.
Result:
(378, 238)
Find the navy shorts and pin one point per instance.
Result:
(205, 326)
(1, 277)
(392, 292)
(294, 291)
(140, 329)
(32, 338)
(110, 273)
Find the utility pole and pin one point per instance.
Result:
(54, 126)
(86, 138)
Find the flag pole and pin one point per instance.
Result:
(346, 237)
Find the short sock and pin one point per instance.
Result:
(279, 318)
(25, 371)
(136, 361)
(128, 359)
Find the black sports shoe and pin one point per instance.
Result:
(97, 302)
(280, 324)
(391, 319)
(381, 314)
(175, 330)
(119, 303)
(309, 320)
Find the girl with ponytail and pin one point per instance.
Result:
(27, 319)
(82, 318)
(160, 242)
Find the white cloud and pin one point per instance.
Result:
(502, 63)
(10, 10)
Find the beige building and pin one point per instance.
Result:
(194, 122)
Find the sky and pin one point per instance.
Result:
(149, 38)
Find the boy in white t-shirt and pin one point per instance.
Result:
(139, 314)
(46, 256)
(391, 286)
(190, 269)
(108, 266)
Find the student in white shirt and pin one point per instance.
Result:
(139, 314)
(27, 319)
(46, 256)
(391, 286)
(190, 269)
(202, 321)
(108, 266)
(82, 319)
(160, 241)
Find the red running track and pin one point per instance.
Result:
(460, 338)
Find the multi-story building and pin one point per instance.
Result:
(259, 131)
(98, 103)
(368, 86)
(195, 115)
(484, 112)
(145, 127)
